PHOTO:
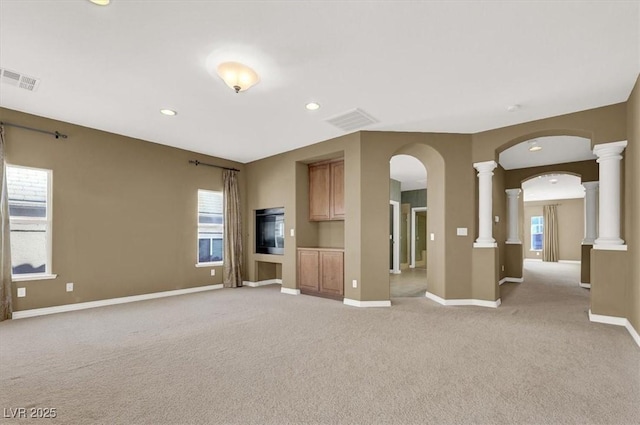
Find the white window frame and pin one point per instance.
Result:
(48, 220)
(205, 227)
(536, 233)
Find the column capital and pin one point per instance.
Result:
(513, 192)
(485, 167)
(591, 185)
(609, 150)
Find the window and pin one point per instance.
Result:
(210, 227)
(537, 227)
(29, 192)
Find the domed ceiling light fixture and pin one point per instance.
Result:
(534, 146)
(237, 76)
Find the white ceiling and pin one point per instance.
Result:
(409, 171)
(555, 150)
(542, 188)
(438, 66)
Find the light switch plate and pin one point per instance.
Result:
(354, 283)
(461, 231)
(432, 236)
(213, 272)
(22, 292)
(292, 232)
(70, 287)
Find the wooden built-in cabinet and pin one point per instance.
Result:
(321, 272)
(326, 191)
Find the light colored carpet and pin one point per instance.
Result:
(255, 356)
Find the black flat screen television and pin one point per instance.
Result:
(270, 231)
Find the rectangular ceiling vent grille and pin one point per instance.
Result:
(352, 120)
(16, 79)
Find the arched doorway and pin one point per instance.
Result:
(546, 175)
(407, 227)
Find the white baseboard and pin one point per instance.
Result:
(569, 261)
(357, 303)
(261, 282)
(458, 302)
(111, 301)
(585, 285)
(290, 291)
(511, 279)
(618, 321)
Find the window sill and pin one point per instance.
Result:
(216, 264)
(29, 277)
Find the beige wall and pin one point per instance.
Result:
(124, 212)
(587, 170)
(633, 205)
(570, 227)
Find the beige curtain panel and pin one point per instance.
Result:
(233, 253)
(550, 246)
(6, 307)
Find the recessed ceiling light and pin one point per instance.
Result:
(100, 2)
(168, 112)
(513, 108)
(535, 148)
(312, 106)
(553, 181)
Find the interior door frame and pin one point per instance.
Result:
(395, 237)
(412, 265)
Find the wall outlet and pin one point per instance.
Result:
(461, 231)
(354, 283)
(70, 287)
(22, 292)
(213, 272)
(432, 236)
(292, 232)
(502, 268)
(497, 219)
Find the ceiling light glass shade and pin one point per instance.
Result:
(237, 76)
(312, 106)
(100, 2)
(535, 148)
(169, 112)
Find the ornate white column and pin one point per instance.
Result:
(609, 156)
(590, 212)
(485, 204)
(513, 236)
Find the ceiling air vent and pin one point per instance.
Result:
(16, 79)
(352, 120)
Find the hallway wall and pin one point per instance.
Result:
(570, 227)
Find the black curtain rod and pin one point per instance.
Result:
(196, 163)
(55, 134)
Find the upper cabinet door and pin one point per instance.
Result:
(337, 191)
(319, 192)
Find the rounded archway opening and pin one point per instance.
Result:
(407, 227)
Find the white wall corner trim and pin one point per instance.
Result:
(585, 285)
(618, 321)
(358, 303)
(111, 301)
(290, 291)
(462, 302)
(514, 279)
(261, 282)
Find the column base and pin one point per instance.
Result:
(485, 244)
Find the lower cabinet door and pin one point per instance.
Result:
(309, 270)
(332, 273)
